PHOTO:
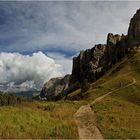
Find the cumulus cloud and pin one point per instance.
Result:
(63, 60)
(27, 71)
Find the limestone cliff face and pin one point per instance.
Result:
(93, 63)
(134, 29)
(54, 87)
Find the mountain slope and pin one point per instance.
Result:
(107, 77)
(118, 112)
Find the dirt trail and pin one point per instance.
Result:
(86, 122)
(86, 119)
(103, 96)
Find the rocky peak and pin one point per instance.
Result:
(54, 87)
(87, 63)
(92, 63)
(113, 39)
(134, 29)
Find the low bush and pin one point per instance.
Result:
(10, 99)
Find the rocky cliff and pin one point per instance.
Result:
(54, 87)
(91, 64)
(134, 30)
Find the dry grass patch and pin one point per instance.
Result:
(39, 120)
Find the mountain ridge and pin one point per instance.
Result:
(93, 63)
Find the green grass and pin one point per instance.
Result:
(118, 115)
(39, 120)
(118, 118)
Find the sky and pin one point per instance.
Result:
(39, 39)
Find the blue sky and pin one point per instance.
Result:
(60, 29)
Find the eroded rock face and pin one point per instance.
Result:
(92, 63)
(53, 89)
(134, 29)
(116, 47)
(86, 64)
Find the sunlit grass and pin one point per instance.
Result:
(118, 115)
(38, 120)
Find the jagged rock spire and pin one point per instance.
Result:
(134, 30)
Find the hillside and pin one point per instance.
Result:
(118, 114)
(118, 111)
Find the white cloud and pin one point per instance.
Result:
(63, 60)
(25, 70)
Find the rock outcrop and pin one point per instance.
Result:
(134, 30)
(53, 89)
(93, 63)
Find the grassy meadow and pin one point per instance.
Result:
(118, 114)
(39, 120)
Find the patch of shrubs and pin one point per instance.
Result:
(10, 99)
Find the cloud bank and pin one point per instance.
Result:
(27, 71)
(68, 26)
